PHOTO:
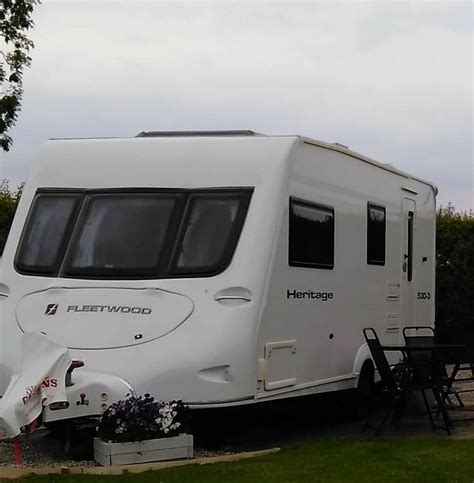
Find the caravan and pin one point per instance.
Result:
(220, 268)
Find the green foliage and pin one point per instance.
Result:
(8, 202)
(15, 20)
(454, 267)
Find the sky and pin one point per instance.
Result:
(392, 80)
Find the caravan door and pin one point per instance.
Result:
(408, 275)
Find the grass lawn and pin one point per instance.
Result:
(378, 459)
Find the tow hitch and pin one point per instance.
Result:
(64, 404)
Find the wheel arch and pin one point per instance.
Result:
(362, 359)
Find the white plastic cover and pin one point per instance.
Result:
(102, 318)
(40, 382)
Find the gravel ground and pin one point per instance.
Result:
(467, 397)
(40, 449)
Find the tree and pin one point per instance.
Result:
(15, 20)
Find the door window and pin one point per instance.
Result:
(410, 247)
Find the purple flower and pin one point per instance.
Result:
(139, 418)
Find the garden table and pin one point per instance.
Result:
(456, 352)
(424, 347)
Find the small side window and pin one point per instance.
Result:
(311, 235)
(376, 229)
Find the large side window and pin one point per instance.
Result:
(376, 237)
(311, 235)
(209, 234)
(44, 238)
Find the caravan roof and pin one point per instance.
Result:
(231, 136)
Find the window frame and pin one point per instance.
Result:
(21, 268)
(318, 206)
(371, 261)
(232, 241)
(175, 227)
(66, 270)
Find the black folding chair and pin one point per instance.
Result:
(420, 335)
(462, 361)
(397, 382)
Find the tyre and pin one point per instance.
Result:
(365, 388)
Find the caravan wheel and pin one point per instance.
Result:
(365, 388)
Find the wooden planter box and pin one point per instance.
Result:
(176, 447)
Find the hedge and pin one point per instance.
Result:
(454, 259)
(8, 203)
(454, 268)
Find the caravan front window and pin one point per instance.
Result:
(133, 233)
(120, 234)
(43, 241)
(212, 223)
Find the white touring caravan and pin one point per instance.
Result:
(220, 268)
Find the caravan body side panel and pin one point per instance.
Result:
(326, 331)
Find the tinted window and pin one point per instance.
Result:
(120, 235)
(212, 225)
(410, 247)
(42, 242)
(375, 234)
(135, 234)
(311, 237)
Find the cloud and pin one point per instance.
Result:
(392, 80)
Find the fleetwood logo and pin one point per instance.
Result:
(123, 309)
(51, 309)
